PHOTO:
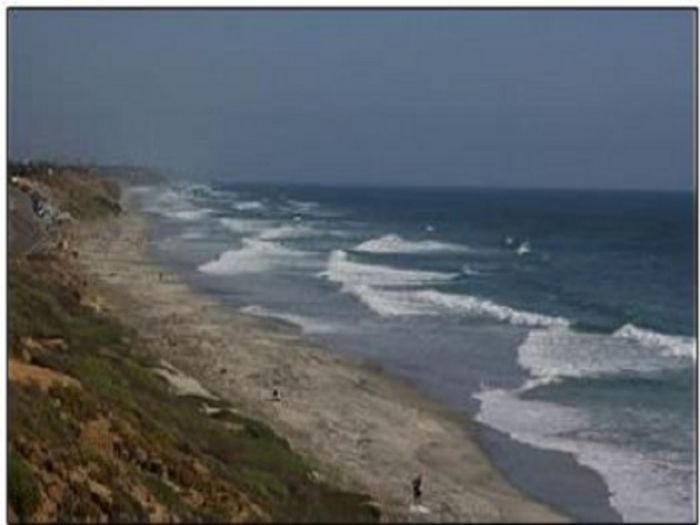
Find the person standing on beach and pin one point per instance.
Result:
(417, 484)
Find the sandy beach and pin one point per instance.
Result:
(364, 264)
(366, 430)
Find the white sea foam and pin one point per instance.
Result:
(549, 355)
(388, 303)
(376, 286)
(248, 205)
(173, 204)
(309, 208)
(140, 190)
(341, 269)
(255, 256)
(393, 243)
(309, 325)
(432, 302)
(244, 226)
(203, 191)
(166, 199)
(557, 353)
(523, 249)
(628, 474)
(287, 231)
(270, 230)
(672, 345)
(303, 206)
(190, 215)
(192, 235)
(483, 307)
(468, 270)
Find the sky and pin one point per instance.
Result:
(501, 98)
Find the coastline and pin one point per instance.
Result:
(104, 431)
(368, 431)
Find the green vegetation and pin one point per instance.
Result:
(198, 467)
(94, 207)
(33, 310)
(168, 497)
(23, 494)
(75, 189)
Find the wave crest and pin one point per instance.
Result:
(557, 353)
(243, 225)
(393, 243)
(287, 231)
(341, 269)
(670, 345)
(172, 203)
(396, 303)
(255, 256)
(628, 473)
(248, 205)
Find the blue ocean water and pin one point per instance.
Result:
(564, 319)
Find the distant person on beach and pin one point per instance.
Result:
(276, 395)
(417, 489)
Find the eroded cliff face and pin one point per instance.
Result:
(96, 433)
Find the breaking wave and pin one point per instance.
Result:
(244, 226)
(341, 269)
(287, 231)
(468, 270)
(393, 243)
(628, 473)
(172, 204)
(140, 189)
(302, 206)
(550, 356)
(190, 215)
(192, 235)
(524, 248)
(248, 205)
(432, 302)
(557, 353)
(202, 191)
(672, 345)
(255, 256)
(379, 287)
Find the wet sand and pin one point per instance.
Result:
(367, 431)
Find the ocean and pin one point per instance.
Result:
(563, 320)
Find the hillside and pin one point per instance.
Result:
(96, 431)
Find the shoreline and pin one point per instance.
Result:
(370, 431)
(105, 431)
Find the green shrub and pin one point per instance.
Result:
(23, 493)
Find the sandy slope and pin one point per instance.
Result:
(367, 431)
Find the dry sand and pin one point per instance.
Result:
(367, 431)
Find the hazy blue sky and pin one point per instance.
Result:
(501, 98)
